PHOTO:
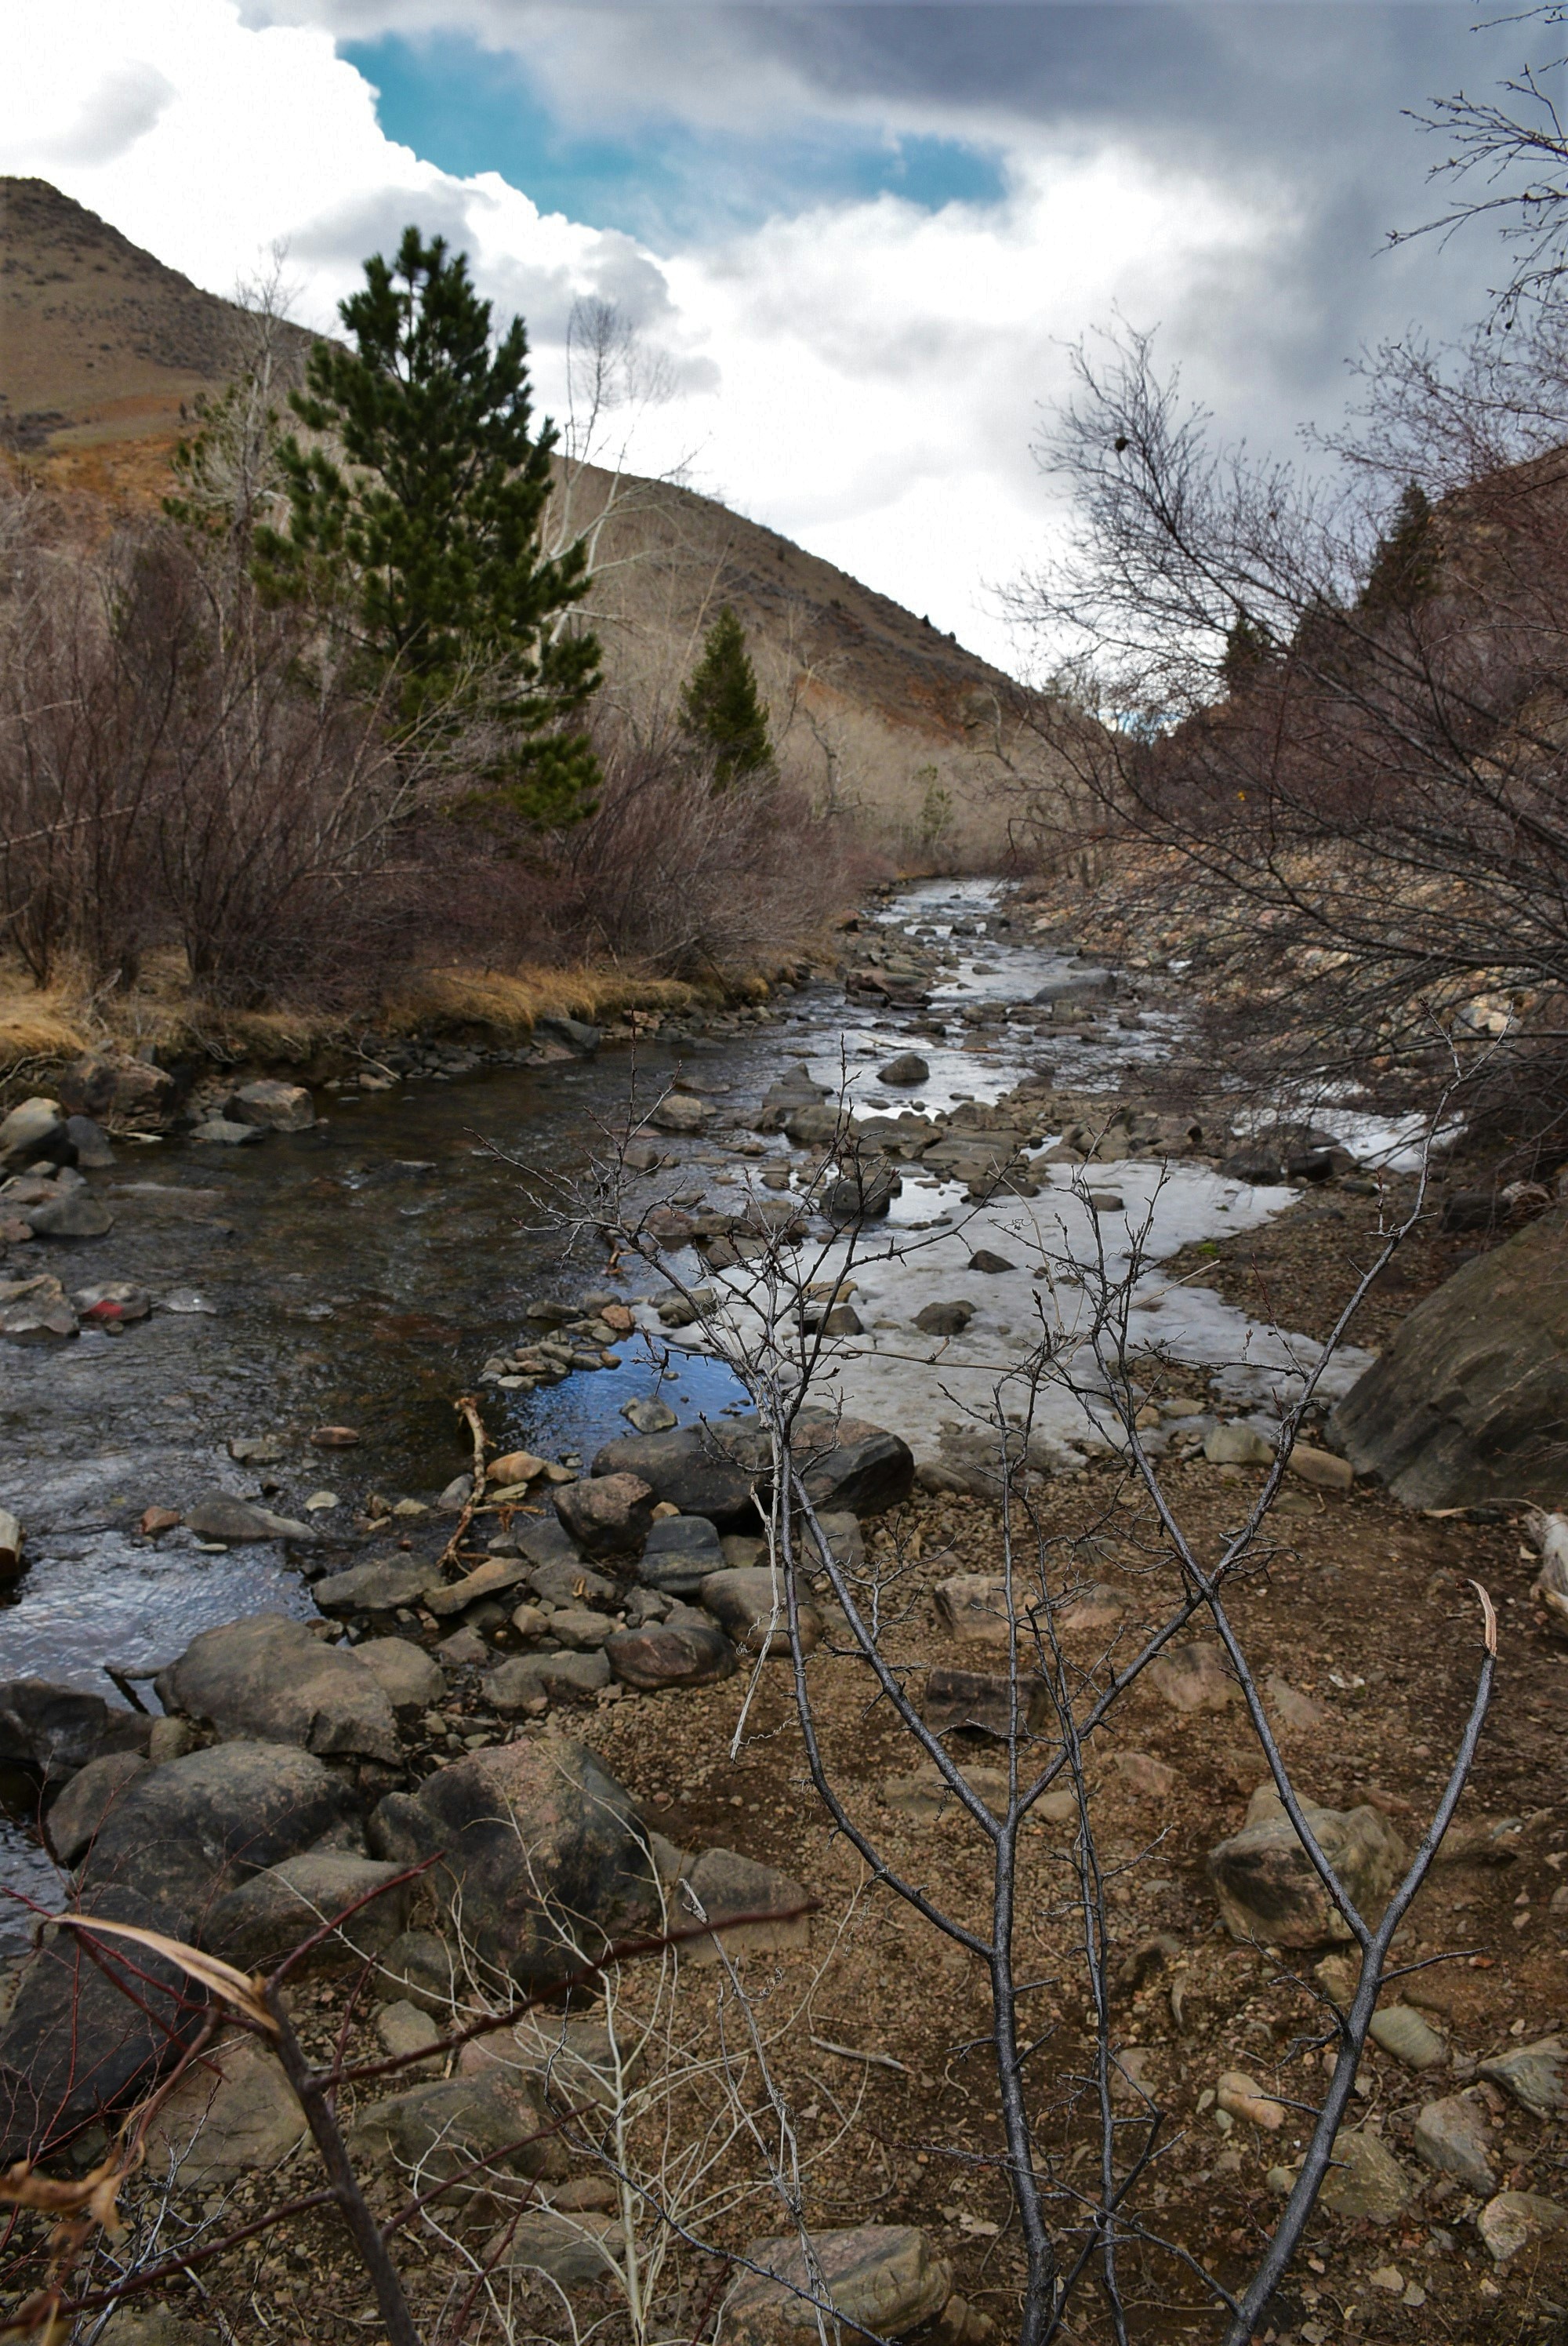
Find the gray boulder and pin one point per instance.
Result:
(749, 1604)
(1469, 1402)
(228, 1132)
(434, 2132)
(256, 1925)
(1453, 2135)
(176, 1841)
(269, 1678)
(280, 1107)
(75, 1818)
(703, 1470)
(723, 1884)
(77, 1215)
(945, 1318)
(221, 1516)
(1268, 1888)
(538, 1848)
(882, 2280)
(90, 1144)
(526, 1680)
(575, 1033)
(382, 1584)
(103, 1084)
(678, 1556)
(906, 1067)
(58, 1728)
(404, 1672)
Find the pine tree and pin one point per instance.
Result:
(721, 711)
(1248, 648)
(416, 529)
(1404, 569)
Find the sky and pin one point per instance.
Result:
(859, 240)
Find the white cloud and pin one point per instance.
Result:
(863, 377)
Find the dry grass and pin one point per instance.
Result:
(40, 1027)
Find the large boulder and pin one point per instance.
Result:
(680, 1555)
(269, 1678)
(881, 2279)
(281, 1107)
(232, 2115)
(539, 1850)
(1268, 1890)
(437, 2132)
(607, 1515)
(172, 1844)
(848, 1466)
(1469, 1402)
(34, 1132)
(56, 1729)
(106, 1087)
(257, 1924)
(703, 1470)
(687, 1650)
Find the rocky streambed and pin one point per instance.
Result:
(274, 1298)
(261, 1653)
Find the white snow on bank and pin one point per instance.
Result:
(916, 1384)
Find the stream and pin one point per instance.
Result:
(360, 1274)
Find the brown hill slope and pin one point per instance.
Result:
(102, 347)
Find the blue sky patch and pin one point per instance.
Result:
(468, 109)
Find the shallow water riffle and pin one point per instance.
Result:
(361, 1273)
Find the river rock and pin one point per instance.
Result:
(33, 1133)
(723, 1883)
(972, 1605)
(749, 1606)
(1321, 1468)
(382, 1584)
(75, 1818)
(221, 1516)
(945, 1318)
(680, 1112)
(58, 1729)
(228, 1132)
(526, 1832)
(679, 1652)
(1268, 1888)
(280, 1107)
(214, 2129)
(492, 1578)
(34, 1312)
(680, 1553)
(1515, 2219)
(647, 1416)
(1452, 2137)
(256, 1925)
(703, 1470)
(78, 1215)
(1237, 1445)
(269, 1678)
(555, 1026)
(1534, 2076)
(1194, 1677)
(883, 2278)
(1400, 2030)
(863, 1194)
(404, 1672)
(1365, 2180)
(1470, 1400)
(530, 1680)
(90, 1144)
(516, 1467)
(816, 1125)
(607, 1515)
(435, 2131)
(983, 1703)
(107, 1086)
(574, 2249)
(905, 1067)
(175, 1840)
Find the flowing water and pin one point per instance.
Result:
(359, 1274)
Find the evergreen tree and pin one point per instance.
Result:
(416, 528)
(720, 708)
(1248, 648)
(1404, 569)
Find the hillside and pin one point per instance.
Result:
(102, 346)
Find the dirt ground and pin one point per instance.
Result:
(1359, 1605)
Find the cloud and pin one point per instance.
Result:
(861, 370)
